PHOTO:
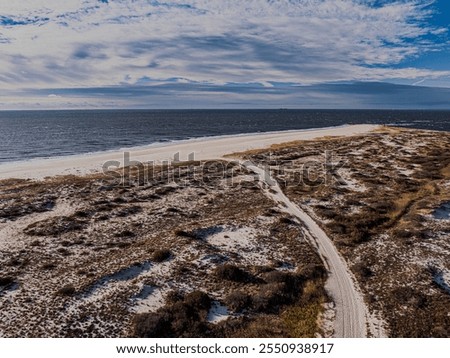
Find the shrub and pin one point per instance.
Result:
(328, 213)
(231, 273)
(282, 288)
(132, 210)
(277, 277)
(362, 271)
(63, 251)
(359, 235)
(238, 301)
(337, 228)
(173, 210)
(185, 318)
(83, 214)
(161, 255)
(174, 296)
(354, 202)
(14, 262)
(285, 220)
(49, 266)
(151, 325)
(410, 296)
(6, 281)
(198, 300)
(291, 282)
(314, 292)
(383, 207)
(313, 271)
(408, 234)
(403, 234)
(182, 233)
(126, 233)
(68, 290)
(270, 298)
(119, 200)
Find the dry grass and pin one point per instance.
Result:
(265, 326)
(281, 146)
(301, 321)
(446, 172)
(388, 130)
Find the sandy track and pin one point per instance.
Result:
(351, 311)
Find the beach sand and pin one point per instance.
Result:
(203, 149)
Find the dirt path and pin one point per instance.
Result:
(351, 312)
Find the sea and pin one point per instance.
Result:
(27, 135)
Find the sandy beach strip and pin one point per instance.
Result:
(199, 149)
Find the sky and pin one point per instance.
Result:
(98, 54)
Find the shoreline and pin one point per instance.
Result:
(163, 143)
(119, 254)
(203, 148)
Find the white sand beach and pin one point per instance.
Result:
(203, 148)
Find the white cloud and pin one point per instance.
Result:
(90, 43)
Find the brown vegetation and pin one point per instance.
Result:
(116, 245)
(161, 255)
(378, 209)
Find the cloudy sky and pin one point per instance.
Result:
(224, 54)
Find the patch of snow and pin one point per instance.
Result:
(404, 171)
(10, 292)
(389, 143)
(238, 240)
(266, 219)
(149, 299)
(103, 285)
(326, 320)
(442, 279)
(11, 231)
(350, 183)
(377, 326)
(286, 266)
(442, 212)
(211, 259)
(217, 313)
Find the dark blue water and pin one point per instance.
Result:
(26, 135)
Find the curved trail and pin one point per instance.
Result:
(351, 317)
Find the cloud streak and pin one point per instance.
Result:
(180, 94)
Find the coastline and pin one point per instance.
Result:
(203, 148)
(116, 254)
